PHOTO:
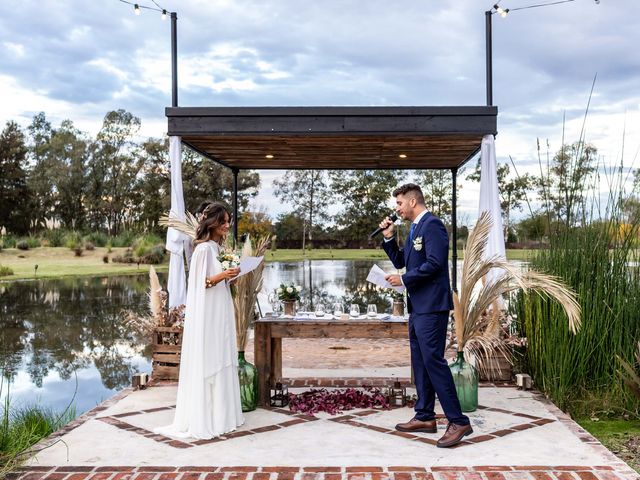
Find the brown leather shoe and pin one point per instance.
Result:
(415, 425)
(453, 435)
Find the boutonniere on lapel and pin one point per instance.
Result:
(417, 244)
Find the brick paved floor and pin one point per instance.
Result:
(524, 472)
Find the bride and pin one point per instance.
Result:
(208, 402)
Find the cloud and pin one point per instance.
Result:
(79, 59)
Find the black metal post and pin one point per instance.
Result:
(174, 59)
(454, 230)
(489, 56)
(235, 205)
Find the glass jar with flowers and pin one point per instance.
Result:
(397, 298)
(289, 294)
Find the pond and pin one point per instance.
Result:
(64, 341)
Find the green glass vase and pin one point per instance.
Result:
(248, 376)
(465, 377)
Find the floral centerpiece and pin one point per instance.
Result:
(397, 298)
(289, 294)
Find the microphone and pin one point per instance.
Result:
(393, 217)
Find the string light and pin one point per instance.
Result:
(137, 8)
(503, 12)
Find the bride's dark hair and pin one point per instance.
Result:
(213, 216)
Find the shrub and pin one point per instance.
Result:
(8, 241)
(144, 244)
(127, 257)
(89, 246)
(109, 247)
(124, 239)
(33, 242)
(5, 271)
(78, 251)
(99, 239)
(155, 256)
(72, 240)
(55, 237)
(22, 245)
(105, 258)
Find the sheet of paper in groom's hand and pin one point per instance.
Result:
(248, 264)
(376, 276)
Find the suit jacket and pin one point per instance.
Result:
(427, 267)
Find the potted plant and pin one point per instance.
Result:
(289, 294)
(397, 298)
(245, 293)
(477, 307)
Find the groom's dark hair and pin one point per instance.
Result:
(410, 190)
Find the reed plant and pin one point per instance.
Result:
(593, 248)
(22, 427)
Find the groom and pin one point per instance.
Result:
(425, 256)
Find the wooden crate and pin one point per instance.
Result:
(166, 343)
(496, 368)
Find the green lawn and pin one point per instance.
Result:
(622, 437)
(62, 262)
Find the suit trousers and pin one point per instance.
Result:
(427, 338)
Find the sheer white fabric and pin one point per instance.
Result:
(177, 243)
(208, 401)
(490, 202)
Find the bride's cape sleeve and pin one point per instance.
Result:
(196, 308)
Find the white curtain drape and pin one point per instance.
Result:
(177, 243)
(490, 202)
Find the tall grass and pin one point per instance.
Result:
(593, 249)
(23, 427)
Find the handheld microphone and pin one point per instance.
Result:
(393, 217)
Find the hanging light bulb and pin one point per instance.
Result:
(164, 14)
(504, 13)
(498, 9)
(136, 9)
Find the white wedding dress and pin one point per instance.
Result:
(208, 401)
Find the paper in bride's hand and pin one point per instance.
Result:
(376, 276)
(248, 264)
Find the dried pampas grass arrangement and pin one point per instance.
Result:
(247, 288)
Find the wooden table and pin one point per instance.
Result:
(269, 332)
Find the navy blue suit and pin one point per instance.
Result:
(425, 257)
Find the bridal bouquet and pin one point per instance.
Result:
(228, 260)
(288, 293)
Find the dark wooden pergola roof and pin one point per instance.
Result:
(334, 137)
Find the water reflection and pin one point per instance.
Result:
(54, 330)
(331, 281)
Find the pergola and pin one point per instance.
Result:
(333, 138)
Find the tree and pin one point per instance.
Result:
(564, 188)
(40, 177)
(14, 194)
(309, 194)
(68, 155)
(256, 224)
(513, 191)
(204, 179)
(365, 196)
(288, 227)
(437, 187)
(152, 195)
(113, 169)
(532, 228)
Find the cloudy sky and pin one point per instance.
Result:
(79, 59)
